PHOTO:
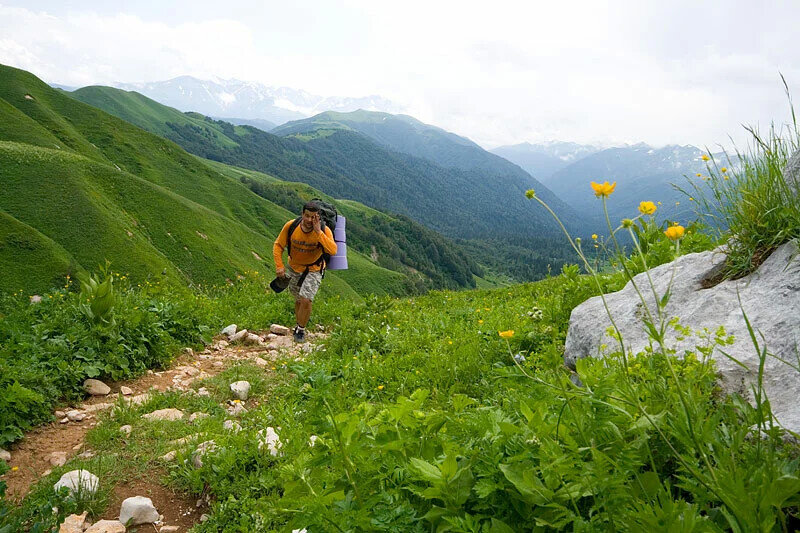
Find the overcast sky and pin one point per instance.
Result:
(497, 72)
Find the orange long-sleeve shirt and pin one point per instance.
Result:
(305, 247)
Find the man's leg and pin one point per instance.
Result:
(302, 308)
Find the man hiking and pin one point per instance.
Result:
(305, 245)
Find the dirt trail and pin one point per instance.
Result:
(31, 455)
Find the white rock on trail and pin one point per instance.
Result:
(93, 408)
(253, 339)
(75, 416)
(239, 336)
(95, 387)
(169, 529)
(277, 329)
(5, 455)
(81, 481)
(138, 510)
(260, 362)
(60, 414)
(202, 391)
(198, 416)
(169, 456)
(57, 458)
(107, 526)
(164, 414)
(126, 429)
(229, 331)
(188, 351)
(240, 389)
(126, 391)
(236, 408)
(770, 297)
(74, 523)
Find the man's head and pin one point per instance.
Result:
(310, 214)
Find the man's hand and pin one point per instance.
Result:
(280, 272)
(317, 225)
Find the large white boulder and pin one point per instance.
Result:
(770, 297)
(164, 414)
(95, 387)
(138, 510)
(240, 389)
(80, 481)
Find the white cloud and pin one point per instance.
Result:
(499, 73)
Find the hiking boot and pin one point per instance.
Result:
(299, 334)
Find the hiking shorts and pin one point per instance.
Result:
(310, 284)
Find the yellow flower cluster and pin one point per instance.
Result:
(603, 189)
(647, 208)
(674, 233)
(530, 194)
(506, 334)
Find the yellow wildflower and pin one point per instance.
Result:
(480, 321)
(704, 157)
(699, 175)
(506, 334)
(674, 233)
(14, 468)
(603, 189)
(647, 208)
(380, 387)
(530, 194)
(594, 236)
(724, 169)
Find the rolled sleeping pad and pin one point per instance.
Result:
(339, 261)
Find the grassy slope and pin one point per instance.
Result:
(85, 179)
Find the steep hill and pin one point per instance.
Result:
(81, 186)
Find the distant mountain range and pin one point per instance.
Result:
(544, 159)
(642, 172)
(249, 100)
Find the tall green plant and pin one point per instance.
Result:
(97, 296)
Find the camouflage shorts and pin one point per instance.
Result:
(310, 284)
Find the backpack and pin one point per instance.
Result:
(327, 217)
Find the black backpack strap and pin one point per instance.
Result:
(293, 227)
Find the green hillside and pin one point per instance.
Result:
(480, 198)
(87, 186)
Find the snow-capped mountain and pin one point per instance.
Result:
(251, 100)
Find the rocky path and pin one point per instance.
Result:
(52, 445)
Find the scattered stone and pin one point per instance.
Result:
(184, 440)
(189, 370)
(271, 336)
(60, 414)
(169, 529)
(236, 408)
(218, 364)
(261, 362)
(232, 425)
(47, 472)
(5, 455)
(138, 510)
(95, 387)
(86, 455)
(240, 389)
(277, 329)
(126, 429)
(139, 399)
(169, 456)
(77, 447)
(221, 345)
(164, 414)
(270, 439)
(93, 408)
(253, 339)
(197, 416)
(202, 391)
(204, 517)
(188, 351)
(81, 481)
(35, 299)
(74, 523)
(202, 449)
(229, 331)
(791, 173)
(239, 336)
(64, 420)
(126, 391)
(75, 416)
(107, 526)
(57, 458)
